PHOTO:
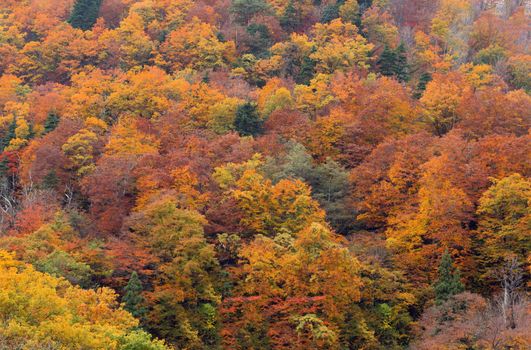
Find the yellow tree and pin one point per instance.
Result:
(505, 221)
(441, 100)
(298, 288)
(44, 311)
(195, 45)
(312, 98)
(339, 46)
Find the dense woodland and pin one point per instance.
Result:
(265, 174)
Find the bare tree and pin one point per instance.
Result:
(511, 279)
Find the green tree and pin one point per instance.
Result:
(84, 14)
(424, 79)
(290, 19)
(51, 122)
(330, 13)
(260, 40)
(10, 134)
(247, 121)
(449, 280)
(133, 299)
(394, 63)
(387, 60)
(307, 71)
(244, 10)
(328, 180)
(401, 68)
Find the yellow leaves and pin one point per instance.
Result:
(8, 88)
(195, 45)
(378, 25)
(301, 42)
(147, 93)
(323, 138)
(270, 209)
(185, 184)
(134, 45)
(336, 29)
(79, 149)
(312, 98)
(339, 46)
(349, 11)
(126, 139)
(442, 97)
(42, 309)
(477, 76)
(227, 175)
(222, 114)
(314, 264)
(505, 218)
(96, 125)
(273, 96)
(86, 97)
(206, 106)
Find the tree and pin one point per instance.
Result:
(504, 217)
(448, 282)
(424, 79)
(184, 295)
(9, 135)
(393, 62)
(196, 45)
(441, 101)
(330, 13)
(260, 40)
(50, 312)
(387, 61)
(401, 70)
(247, 121)
(245, 10)
(84, 14)
(51, 122)
(133, 299)
(290, 19)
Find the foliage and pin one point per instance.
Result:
(265, 174)
(84, 13)
(40, 309)
(247, 121)
(448, 281)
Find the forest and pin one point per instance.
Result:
(265, 174)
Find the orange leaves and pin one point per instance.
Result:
(441, 100)
(126, 139)
(195, 45)
(313, 273)
(271, 209)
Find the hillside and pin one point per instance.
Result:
(265, 174)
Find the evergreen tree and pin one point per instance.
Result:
(244, 10)
(425, 78)
(387, 62)
(248, 122)
(50, 180)
(84, 14)
(51, 122)
(306, 72)
(260, 40)
(401, 69)
(448, 283)
(394, 63)
(4, 167)
(330, 13)
(133, 298)
(290, 19)
(10, 135)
